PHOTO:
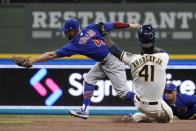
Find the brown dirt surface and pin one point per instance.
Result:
(94, 123)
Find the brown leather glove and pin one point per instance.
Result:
(22, 61)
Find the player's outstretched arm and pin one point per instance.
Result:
(27, 61)
(109, 26)
(44, 57)
(114, 50)
(121, 25)
(137, 26)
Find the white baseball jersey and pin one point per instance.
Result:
(148, 73)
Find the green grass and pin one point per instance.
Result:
(52, 116)
(14, 122)
(4, 119)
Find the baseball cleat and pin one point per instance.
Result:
(127, 118)
(80, 114)
(193, 117)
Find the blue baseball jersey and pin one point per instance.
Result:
(88, 42)
(185, 106)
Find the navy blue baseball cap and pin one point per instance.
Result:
(170, 87)
(70, 24)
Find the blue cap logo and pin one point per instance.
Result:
(70, 24)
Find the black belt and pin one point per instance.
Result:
(149, 103)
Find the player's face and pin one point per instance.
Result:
(170, 96)
(71, 34)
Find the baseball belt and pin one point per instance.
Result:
(149, 103)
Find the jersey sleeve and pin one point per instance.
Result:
(67, 50)
(165, 58)
(126, 57)
(109, 26)
(120, 25)
(115, 25)
(189, 100)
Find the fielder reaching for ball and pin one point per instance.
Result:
(89, 42)
(148, 71)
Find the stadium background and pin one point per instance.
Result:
(31, 27)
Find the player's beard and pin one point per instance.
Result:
(72, 34)
(70, 37)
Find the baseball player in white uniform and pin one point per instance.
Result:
(148, 71)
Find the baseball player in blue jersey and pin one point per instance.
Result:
(89, 42)
(183, 106)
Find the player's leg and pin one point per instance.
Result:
(87, 94)
(141, 117)
(166, 114)
(90, 80)
(115, 70)
(144, 114)
(137, 118)
(160, 112)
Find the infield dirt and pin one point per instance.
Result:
(94, 123)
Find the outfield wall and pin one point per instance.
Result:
(34, 28)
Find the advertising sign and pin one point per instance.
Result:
(64, 87)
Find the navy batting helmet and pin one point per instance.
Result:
(70, 24)
(146, 34)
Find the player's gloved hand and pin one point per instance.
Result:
(135, 26)
(22, 61)
(101, 28)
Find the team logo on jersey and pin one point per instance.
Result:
(89, 34)
(98, 42)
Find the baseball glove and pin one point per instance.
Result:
(101, 28)
(22, 61)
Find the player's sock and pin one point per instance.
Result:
(130, 96)
(88, 93)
